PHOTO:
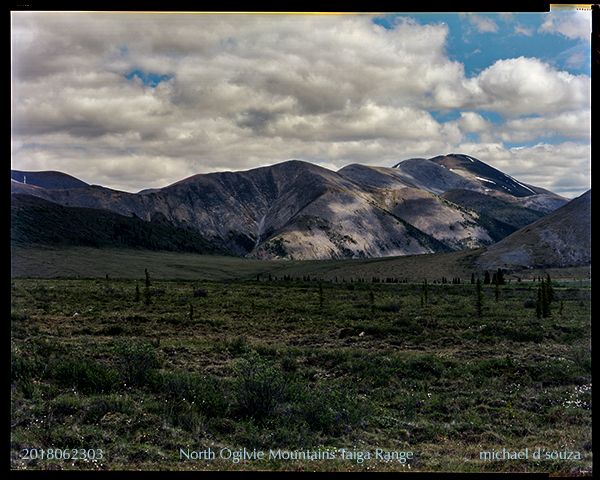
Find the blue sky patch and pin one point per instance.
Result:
(148, 78)
(479, 40)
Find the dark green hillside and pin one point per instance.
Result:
(48, 180)
(35, 221)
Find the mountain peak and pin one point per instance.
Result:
(489, 177)
(299, 210)
(49, 180)
(432, 177)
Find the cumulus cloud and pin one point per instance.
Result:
(576, 125)
(526, 86)
(143, 100)
(483, 24)
(573, 24)
(565, 165)
(473, 122)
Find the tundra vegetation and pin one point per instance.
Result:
(443, 369)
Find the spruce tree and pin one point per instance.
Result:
(479, 299)
(550, 289)
(147, 299)
(425, 289)
(500, 277)
(321, 295)
(543, 302)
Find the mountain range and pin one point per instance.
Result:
(298, 210)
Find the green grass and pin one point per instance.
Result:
(83, 262)
(341, 369)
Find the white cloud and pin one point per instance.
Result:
(239, 91)
(573, 24)
(521, 29)
(473, 122)
(526, 86)
(576, 125)
(483, 24)
(563, 168)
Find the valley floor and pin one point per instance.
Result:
(86, 262)
(299, 375)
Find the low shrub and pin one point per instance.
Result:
(86, 375)
(530, 303)
(136, 361)
(200, 293)
(259, 387)
(209, 394)
(182, 414)
(237, 346)
(393, 307)
(333, 411)
(22, 369)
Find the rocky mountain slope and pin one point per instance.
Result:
(560, 239)
(299, 210)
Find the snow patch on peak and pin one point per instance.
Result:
(485, 180)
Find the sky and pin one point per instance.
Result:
(142, 100)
